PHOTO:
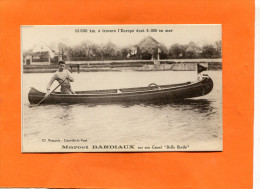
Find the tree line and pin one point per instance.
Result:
(146, 50)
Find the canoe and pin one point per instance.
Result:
(153, 92)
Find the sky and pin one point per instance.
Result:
(121, 35)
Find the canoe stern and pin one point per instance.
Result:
(208, 85)
(35, 96)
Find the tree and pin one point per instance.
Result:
(125, 51)
(218, 46)
(62, 48)
(177, 51)
(208, 51)
(212, 50)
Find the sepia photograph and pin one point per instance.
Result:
(121, 88)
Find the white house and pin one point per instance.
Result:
(43, 48)
(41, 54)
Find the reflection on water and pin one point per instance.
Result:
(198, 105)
(190, 120)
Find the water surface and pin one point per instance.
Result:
(192, 121)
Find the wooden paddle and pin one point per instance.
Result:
(50, 93)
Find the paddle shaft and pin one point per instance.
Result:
(51, 92)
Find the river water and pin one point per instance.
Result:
(196, 122)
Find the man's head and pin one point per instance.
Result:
(61, 65)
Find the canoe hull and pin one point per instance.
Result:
(154, 93)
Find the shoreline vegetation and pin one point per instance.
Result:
(147, 49)
(147, 55)
(128, 65)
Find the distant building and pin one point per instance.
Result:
(41, 54)
(193, 50)
(148, 48)
(148, 42)
(151, 49)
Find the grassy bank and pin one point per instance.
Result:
(125, 65)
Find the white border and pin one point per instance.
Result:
(21, 62)
(256, 181)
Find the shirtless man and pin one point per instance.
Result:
(64, 77)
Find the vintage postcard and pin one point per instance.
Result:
(121, 88)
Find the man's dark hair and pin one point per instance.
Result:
(61, 62)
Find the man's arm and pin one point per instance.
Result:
(69, 77)
(53, 78)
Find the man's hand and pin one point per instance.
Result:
(70, 79)
(47, 94)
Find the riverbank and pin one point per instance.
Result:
(128, 65)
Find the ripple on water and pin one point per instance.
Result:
(198, 119)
